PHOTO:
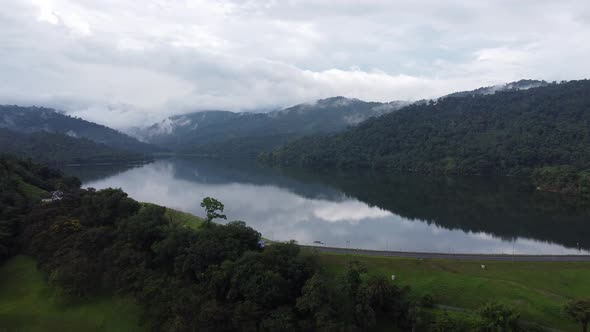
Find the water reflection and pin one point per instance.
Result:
(373, 211)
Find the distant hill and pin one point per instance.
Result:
(511, 132)
(225, 132)
(54, 148)
(40, 119)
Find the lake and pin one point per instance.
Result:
(366, 210)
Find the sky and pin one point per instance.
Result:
(129, 63)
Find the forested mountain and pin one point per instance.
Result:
(222, 132)
(510, 132)
(54, 148)
(40, 119)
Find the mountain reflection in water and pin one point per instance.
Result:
(406, 212)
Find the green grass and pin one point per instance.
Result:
(538, 290)
(33, 192)
(27, 303)
(184, 218)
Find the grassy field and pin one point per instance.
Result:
(538, 290)
(31, 191)
(28, 304)
(184, 218)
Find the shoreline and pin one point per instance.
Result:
(449, 256)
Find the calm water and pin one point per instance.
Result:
(363, 210)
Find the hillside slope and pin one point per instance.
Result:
(222, 132)
(509, 133)
(59, 148)
(40, 119)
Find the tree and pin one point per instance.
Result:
(497, 317)
(213, 208)
(579, 311)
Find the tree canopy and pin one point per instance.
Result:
(506, 133)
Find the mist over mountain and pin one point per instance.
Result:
(40, 119)
(512, 132)
(200, 131)
(524, 84)
(56, 148)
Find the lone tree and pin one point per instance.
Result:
(213, 208)
(579, 311)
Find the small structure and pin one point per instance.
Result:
(393, 277)
(262, 243)
(318, 242)
(483, 266)
(55, 196)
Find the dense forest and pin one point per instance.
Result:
(54, 148)
(22, 183)
(508, 133)
(230, 134)
(41, 119)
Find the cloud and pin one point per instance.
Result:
(145, 60)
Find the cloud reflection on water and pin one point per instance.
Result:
(281, 214)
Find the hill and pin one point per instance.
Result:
(54, 148)
(40, 119)
(228, 133)
(513, 132)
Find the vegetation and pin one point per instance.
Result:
(506, 133)
(183, 218)
(95, 243)
(40, 119)
(536, 290)
(22, 183)
(214, 208)
(579, 311)
(91, 245)
(563, 179)
(54, 148)
(228, 134)
(506, 207)
(28, 303)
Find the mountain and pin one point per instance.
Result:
(513, 86)
(59, 148)
(223, 132)
(40, 119)
(511, 132)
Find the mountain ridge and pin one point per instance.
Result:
(42, 119)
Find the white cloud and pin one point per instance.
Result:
(158, 57)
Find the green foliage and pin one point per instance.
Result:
(563, 179)
(28, 303)
(184, 218)
(497, 317)
(507, 133)
(22, 183)
(214, 208)
(45, 120)
(218, 278)
(241, 135)
(579, 311)
(446, 323)
(55, 148)
(538, 290)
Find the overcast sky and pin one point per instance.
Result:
(122, 63)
